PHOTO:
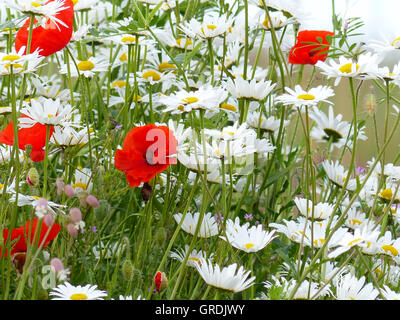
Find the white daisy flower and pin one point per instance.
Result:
(365, 68)
(208, 227)
(86, 68)
(82, 180)
(230, 278)
(212, 26)
(349, 287)
(25, 200)
(246, 238)
(67, 291)
(153, 77)
(194, 256)
(389, 294)
(47, 112)
(337, 174)
(18, 63)
(40, 8)
(205, 97)
(270, 124)
(108, 250)
(299, 97)
(321, 210)
(251, 90)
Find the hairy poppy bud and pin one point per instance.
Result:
(32, 177)
(128, 270)
(160, 281)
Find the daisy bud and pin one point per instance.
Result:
(57, 265)
(128, 270)
(160, 236)
(92, 201)
(69, 191)
(370, 103)
(32, 177)
(72, 230)
(48, 219)
(60, 186)
(75, 215)
(160, 281)
(146, 191)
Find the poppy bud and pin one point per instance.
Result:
(75, 215)
(128, 270)
(92, 201)
(146, 191)
(160, 236)
(72, 230)
(160, 281)
(69, 191)
(33, 177)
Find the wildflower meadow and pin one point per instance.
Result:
(196, 150)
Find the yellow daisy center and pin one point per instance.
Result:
(355, 221)
(78, 296)
(50, 115)
(136, 98)
(319, 241)
(386, 194)
(306, 97)
(35, 4)
(187, 41)
(85, 65)
(190, 100)
(354, 241)
(75, 1)
(151, 74)
(123, 57)
(165, 66)
(119, 84)
(130, 39)
(396, 43)
(228, 106)
(391, 249)
(346, 68)
(11, 57)
(15, 66)
(210, 27)
(194, 259)
(80, 185)
(249, 245)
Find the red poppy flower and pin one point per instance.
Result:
(304, 52)
(51, 37)
(145, 153)
(35, 136)
(28, 231)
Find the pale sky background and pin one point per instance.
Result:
(380, 16)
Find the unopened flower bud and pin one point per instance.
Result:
(72, 230)
(370, 103)
(33, 177)
(60, 186)
(160, 236)
(92, 201)
(146, 191)
(48, 219)
(160, 281)
(57, 265)
(127, 270)
(75, 215)
(69, 191)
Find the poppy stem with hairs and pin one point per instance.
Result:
(45, 161)
(31, 23)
